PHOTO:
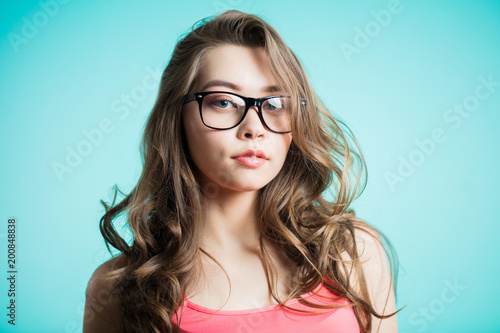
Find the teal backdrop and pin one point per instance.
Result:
(418, 82)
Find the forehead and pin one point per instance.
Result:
(236, 68)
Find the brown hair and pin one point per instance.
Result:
(164, 208)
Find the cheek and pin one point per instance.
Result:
(205, 146)
(192, 132)
(197, 147)
(285, 143)
(282, 146)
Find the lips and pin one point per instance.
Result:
(253, 153)
(251, 158)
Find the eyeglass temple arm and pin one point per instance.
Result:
(189, 98)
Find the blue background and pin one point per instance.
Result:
(66, 70)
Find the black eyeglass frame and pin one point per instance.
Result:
(249, 102)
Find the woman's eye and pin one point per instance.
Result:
(223, 104)
(275, 106)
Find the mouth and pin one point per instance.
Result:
(252, 153)
(251, 158)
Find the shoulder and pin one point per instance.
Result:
(371, 251)
(102, 303)
(376, 269)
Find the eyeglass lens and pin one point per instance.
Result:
(224, 110)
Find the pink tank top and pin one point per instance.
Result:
(196, 318)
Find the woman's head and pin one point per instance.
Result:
(223, 157)
(196, 60)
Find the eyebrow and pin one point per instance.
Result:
(221, 83)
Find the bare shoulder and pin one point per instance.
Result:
(377, 273)
(369, 245)
(102, 303)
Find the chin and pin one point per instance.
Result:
(249, 187)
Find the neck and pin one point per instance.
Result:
(230, 223)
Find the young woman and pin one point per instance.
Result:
(233, 230)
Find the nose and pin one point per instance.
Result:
(252, 127)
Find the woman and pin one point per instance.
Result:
(232, 230)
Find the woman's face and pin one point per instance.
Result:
(220, 155)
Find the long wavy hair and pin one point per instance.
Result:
(304, 210)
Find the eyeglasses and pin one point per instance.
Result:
(223, 110)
